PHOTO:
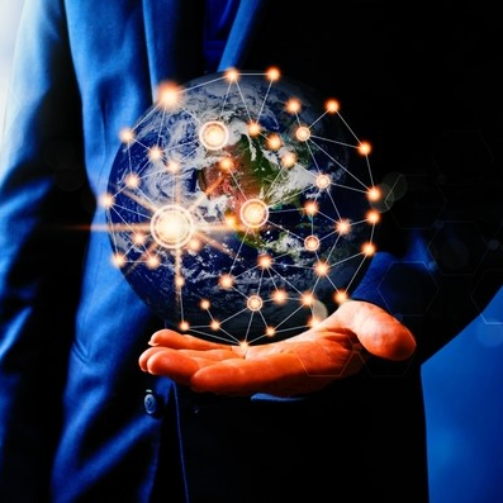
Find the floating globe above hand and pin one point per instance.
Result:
(239, 207)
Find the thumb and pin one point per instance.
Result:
(378, 332)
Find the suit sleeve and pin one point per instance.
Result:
(42, 185)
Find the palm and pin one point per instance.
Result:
(308, 362)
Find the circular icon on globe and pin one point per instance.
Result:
(240, 207)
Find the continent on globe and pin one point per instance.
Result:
(240, 207)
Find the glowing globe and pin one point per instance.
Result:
(240, 207)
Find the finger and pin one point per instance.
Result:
(214, 355)
(380, 333)
(173, 364)
(174, 340)
(144, 357)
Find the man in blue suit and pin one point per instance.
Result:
(79, 420)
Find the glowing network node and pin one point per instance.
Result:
(265, 261)
(293, 106)
(323, 181)
(132, 181)
(274, 142)
(169, 95)
(341, 296)
(312, 243)
(373, 217)
(153, 261)
(303, 133)
(172, 226)
(270, 331)
(343, 227)
(254, 213)
(279, 296)
(155, 154)
(232, 75)
(126, 135)
(311, 208)
(240, 215)
(273, 74)
(364, 148)
(332, 106)
(254, 128)
(214, 135)
(254, 303)
(118, 260)
(374, 194)
(107, 200)
(226, 281)
(368, 249)
(288, 160)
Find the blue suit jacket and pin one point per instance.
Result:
(78, 419)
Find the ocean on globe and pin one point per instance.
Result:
(240, 207)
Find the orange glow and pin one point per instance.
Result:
(215, 325)
(303, 133)
(274, 142)
(179, 282)
(313, 322)
(321, 268)
(368, 249)
(153, 262)
(311, 208)
(155, 154)
(279, 296)
(226, 164)
(133, 181)
(194, 245)
(226, 281)
(323, 181)
(293, 106)
(364, 148)
(168, 95)
(254, 303)
(173, 167)
(270, 331)
(307, 299)
(343, 227)
(126, 135)
(373, 217)
(273, 74)
(265, 261)
(374, 194)
(254, 213)
(118, 260)
(244, 345)
(341, 296)
(231, 221)
(139, 238)
(332, 106)
(231, 75)
(184, 326)
(311, 243)
(254, 128)
(288, 160)
(214, 135)
(205, 304)
(107, 201)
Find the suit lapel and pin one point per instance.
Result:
(241, 34)
(173, 31)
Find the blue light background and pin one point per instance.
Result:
(463, 383)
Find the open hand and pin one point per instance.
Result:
(334, 349)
